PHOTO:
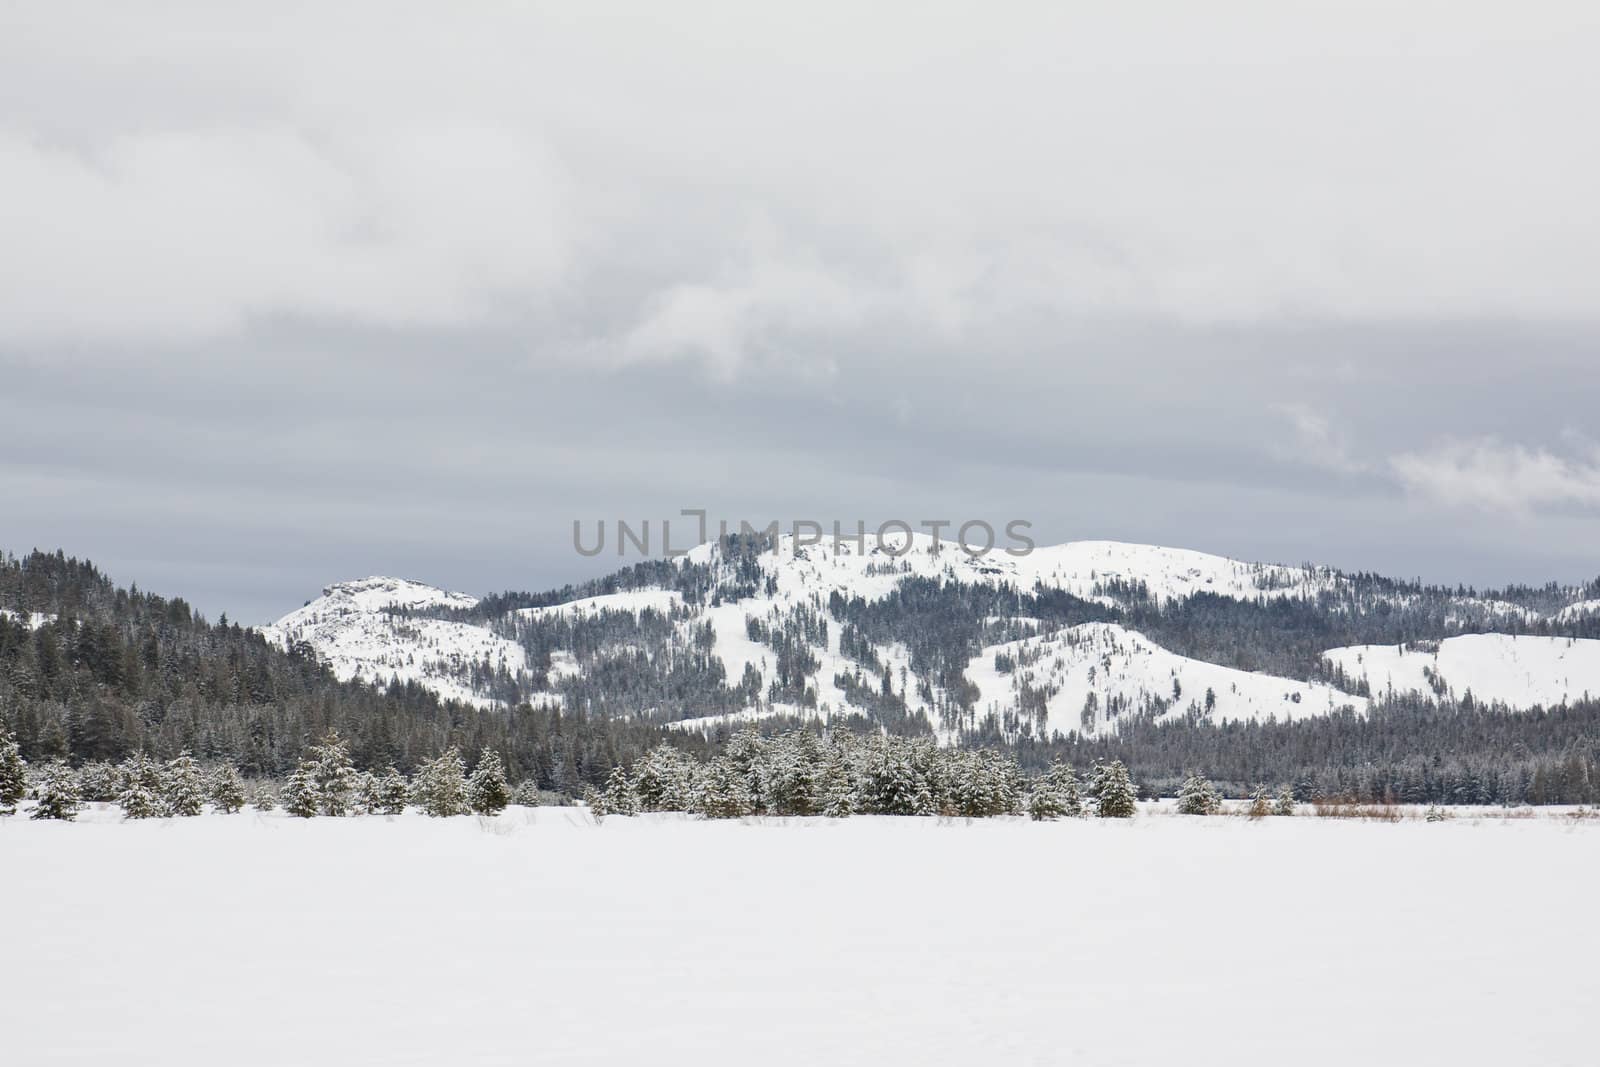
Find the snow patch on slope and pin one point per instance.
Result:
(1518, 671)
(32, 620)
(632, 602)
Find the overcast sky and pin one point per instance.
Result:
(291, 293)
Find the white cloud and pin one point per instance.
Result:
(190, 234)
(1317, 441)
(1500, 477)
(180, 171)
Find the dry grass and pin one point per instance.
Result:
(1333, 808)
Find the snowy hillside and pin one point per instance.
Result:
(356, 629)
(1520, 672)
(1085, 677)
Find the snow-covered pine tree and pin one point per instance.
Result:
(526, 793)
(440, 787)
(100, 782)
(795, 776)
(13, 774)
(619, 796)
(58, 793)
(362, 787)
(722, 791)
(226, 788)
(183, 787)
(332, 773)
(1284, 805)
(890, 782)
(838, 789)
(1055, 794)
(1113, 790)
(141, 795)
(662, 779)
(487, 792)
(1198, 797)
(747, 751)
(141, 788)
(388, 793)
(264, 797)
(300, 796)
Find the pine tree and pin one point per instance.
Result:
(526, 793)
(487, 792)
(662, 779)
(300, 796)
(891, 784)
(387, 793)
(58, 793)
(332, 774)
(1055, 794)
(795, 775)
(363, 788)
(619, 795)
(183, 790)
(227, 788)
(440, 787)
(838, 791)
(264, 797)
(723, 791)
(141, 796)
(13, 774)
(1284, 805)
(99, 781)
(1260, 803)
(1113, 791)
(1198, 797)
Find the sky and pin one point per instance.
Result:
(292, 293)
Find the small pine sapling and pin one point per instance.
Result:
(58, 793)
(487, 792)
(1284, 805)
(300, 796)
(1198, 797)
(227, 788)
(1260, 803)
(1113, 791)
(183, 789)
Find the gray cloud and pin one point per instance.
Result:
(292, 293)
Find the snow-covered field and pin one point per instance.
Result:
(538, 937)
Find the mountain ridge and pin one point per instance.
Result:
(758, 628)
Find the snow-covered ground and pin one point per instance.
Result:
(538, 937)
(1518, 671)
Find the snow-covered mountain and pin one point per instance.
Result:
(365, 630)
(1067, 638)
